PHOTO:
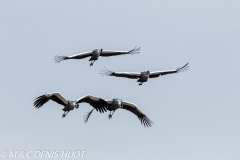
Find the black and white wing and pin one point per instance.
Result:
(86, 117)
(96, 102)
(161, 73)
(132, 75)
(77, 56)
(56, 97)
(133, 108)
(107, 53)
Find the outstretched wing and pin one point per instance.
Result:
(132, 75)
(161, 73)
(96, 102)
(77, 56)
(56, 97)
(133, 108)
(107, 53)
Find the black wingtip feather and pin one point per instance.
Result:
(102, 106)
(40, 101)
(184, 68)
(135, 50)
(145, 121)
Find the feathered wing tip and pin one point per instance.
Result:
(39, 101)
(184, 68)
(135, 50)
(86, 117)
(59, 58)
(146, 121)
(104, 106)
(105, 72)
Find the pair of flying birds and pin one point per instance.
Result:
(100, 104)
(97, 103)
(141, 76)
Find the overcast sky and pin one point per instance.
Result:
(195, 113)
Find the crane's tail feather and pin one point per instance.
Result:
(86, 117)
(135, 50)
(59, 58)
(184, 68)
(105, 72)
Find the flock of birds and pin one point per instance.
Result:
(99, 104)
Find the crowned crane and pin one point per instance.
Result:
(116, 103)
(95, 54)
(97, 103)
(143, 76)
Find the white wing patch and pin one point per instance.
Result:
(81, 54)
(159, 72)
(109, 101)
(89, 96)
(109, 51)
(94, 98)
(57, 94)
(129, 104)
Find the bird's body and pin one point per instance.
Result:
(94, 54)
(70, 106)
(142, 76)
(117, 103)
(97, 103)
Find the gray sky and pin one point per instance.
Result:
(195, 113)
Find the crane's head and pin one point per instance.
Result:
(101, 51)
(77, 106)
(148, 72)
